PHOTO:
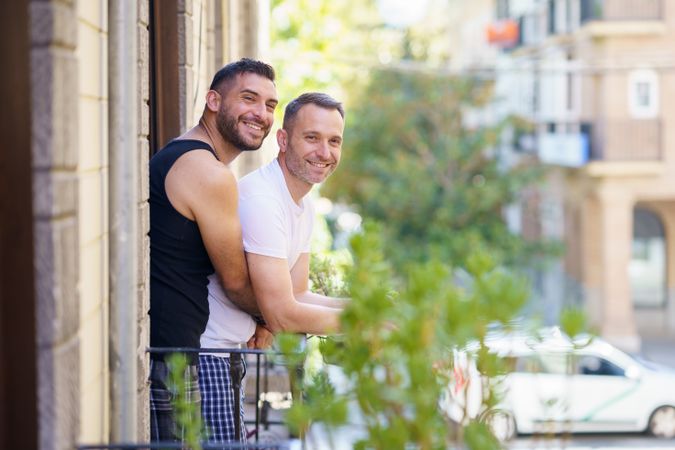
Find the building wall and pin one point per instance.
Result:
(70, 83)
(92, 174)
(56, 184)
(69, 80)
(637, 165)
(143, 178)
(618, 186)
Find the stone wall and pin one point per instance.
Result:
(55, 123)
(143, 321)
(92, 173)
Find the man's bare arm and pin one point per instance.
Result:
(206, 190)
(273, 288)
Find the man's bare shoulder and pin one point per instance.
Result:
(200, 169)
(198, 182)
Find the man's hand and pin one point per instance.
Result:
(261, 339)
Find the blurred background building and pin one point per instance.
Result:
(594, 77)
(92, 89)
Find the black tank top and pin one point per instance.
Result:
(179, 264)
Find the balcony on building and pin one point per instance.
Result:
(564, 148)
(626, 140)
(622, 17)
(604, 141)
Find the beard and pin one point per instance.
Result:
(227, 127)
(300, 169)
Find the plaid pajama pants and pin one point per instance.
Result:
(163, 426)
(217, 391)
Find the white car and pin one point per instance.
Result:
(557, 386)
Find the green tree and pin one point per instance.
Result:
(412, 162)
(328, 45)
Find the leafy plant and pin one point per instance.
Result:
(396, 349)
(187, 414)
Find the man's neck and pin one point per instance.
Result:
(205, 131)
(296, 187)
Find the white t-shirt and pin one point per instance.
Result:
(272, 225)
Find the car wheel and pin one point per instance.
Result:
(502, 424)
(662, 422)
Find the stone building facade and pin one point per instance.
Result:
(100, 85)
(595, 79)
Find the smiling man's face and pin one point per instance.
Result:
(246, 111)
(314, 143)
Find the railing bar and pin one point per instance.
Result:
(270, 422)
(257, 397)
(182, 445)
(210, 350)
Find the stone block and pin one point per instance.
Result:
(190, 39)
(183, 39)
(65, 185)
(143, 370)
(93, 345)
(58, 394)
(65, 104)
(47, 419)
(144, 12)
(95, 408)
(92, 282)
(143, 244)
(143, 319)
(67, 390)
(92, 54)
(57, 277)
(53, 24)
(44, 282)
(185, 6)
(189, 93)
(92, 202)
(143, 64)
(144, 119)
(92, 12)
(42, 126)
(93, 143)
(143, 171)
(43, 194)
(67, 275)
(55, 108)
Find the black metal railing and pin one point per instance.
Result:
(182, 446)
(261, 419)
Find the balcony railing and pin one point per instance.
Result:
(261, 421)
(621, 10)
(626, 140)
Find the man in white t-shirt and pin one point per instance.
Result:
(276, 219)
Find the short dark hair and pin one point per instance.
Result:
(244, 65)
(315, 98)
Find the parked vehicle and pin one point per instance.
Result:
(556, 385)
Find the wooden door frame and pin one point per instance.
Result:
(18, 353)
(164, 80)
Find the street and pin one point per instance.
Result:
(594, 441)
(343, 440)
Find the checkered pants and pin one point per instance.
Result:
(215, 384)
(163, 426)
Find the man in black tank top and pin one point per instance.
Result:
(194, 227)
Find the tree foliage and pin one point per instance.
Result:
(412, 161)
(326, 45)
(396, 350)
